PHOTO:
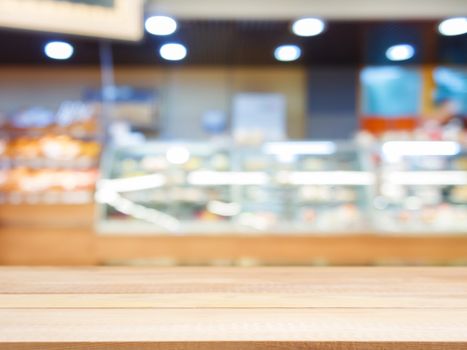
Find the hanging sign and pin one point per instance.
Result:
(111, 19)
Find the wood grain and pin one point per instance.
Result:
(192, 325)
(236, 345)
(233, 308)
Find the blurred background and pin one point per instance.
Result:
(178, 132)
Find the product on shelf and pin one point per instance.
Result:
(301, 188)
(52, 147)
(193, 163)
(220, 162)
(459, 194)
(33, 180)
(3, 147)
(255, 162)
(49, 157)
(154, 163)
(239, 187)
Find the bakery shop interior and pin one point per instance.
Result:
(246, 133)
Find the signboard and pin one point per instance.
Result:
(137, 106)
(112, 19)
(390, 98)
(451, 85)
(259, 116)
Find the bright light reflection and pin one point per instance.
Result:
(393, 149)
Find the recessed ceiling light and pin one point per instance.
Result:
(308, 27)
(173, 52)
(58, 50)
(453, 26)
(401, 52)
(287, 53)
(160, 25)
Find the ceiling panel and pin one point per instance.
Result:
(252, 42)
(329, 9)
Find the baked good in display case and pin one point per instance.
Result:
(49, 158)
(204, 188)
(284, 187)
(422, 181)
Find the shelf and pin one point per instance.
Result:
(44, 163)
(81, 197)
(216, 228)
(427, 178)
(338, 178)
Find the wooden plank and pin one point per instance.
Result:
(395, 281)
(233, 288)
(389, 281)
(226, 301)
(194, 325)
(243, 345)
(233, 308)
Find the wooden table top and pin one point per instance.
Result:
(233, 308)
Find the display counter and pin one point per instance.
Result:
(64, 235)
(297, 203)
(284, 188)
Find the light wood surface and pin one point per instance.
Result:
(233, 308)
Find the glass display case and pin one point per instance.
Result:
(422, 187)
(49, 157)
(284, 187)
(209, 188)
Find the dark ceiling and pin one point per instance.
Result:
(252, 43)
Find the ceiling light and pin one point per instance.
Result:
(173, 52)
(308, 27)
(401, 52)
(287, 53)
(58, 50)
(453, 26)
(160, 25)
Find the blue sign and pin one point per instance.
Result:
(391, 92)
